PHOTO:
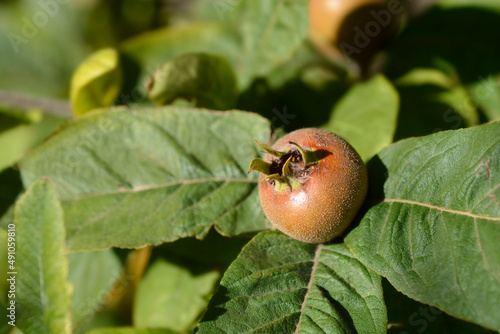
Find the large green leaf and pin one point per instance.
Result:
(367, 116)
(170, 296)
(134, 177)
(92, 275)
(281, 285)
(43, 293)
(435, 233)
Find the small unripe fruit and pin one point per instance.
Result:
(358, 28)
(326, 17)
(312, 184)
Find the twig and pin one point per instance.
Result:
(24, 102)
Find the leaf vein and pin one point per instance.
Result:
(309, 285)
(480, 244)
(434, 207)
(138, 189)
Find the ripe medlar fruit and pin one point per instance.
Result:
(312, 184)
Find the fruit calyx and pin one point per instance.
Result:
(289, 169)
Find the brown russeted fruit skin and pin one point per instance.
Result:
(327, 202)
(326, 17)
(361, 25)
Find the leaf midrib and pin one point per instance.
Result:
(434, 207)
(309, 285)
(139, 189)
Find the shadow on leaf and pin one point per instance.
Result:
(216, 308)
(346, 317)
(467, 38)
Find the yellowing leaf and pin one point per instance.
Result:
(96, 82)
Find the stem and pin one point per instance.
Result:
(25, 102)
(287, 180)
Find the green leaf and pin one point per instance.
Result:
(407, 316)
(486, 93)
(444, 35)
(285, 94)
(96, 82)
(433, 99)
(4, 269)
(8, 217)
(11, 116)
(268, 32)
(92, 274)
(207, 79)
(131, 330)
(42, 44)
(130, 178)
(487, 4)
(435, 233)
(15, 141)
(367, 116)
(280, 285)
(170, 296)
(5, 328)
(151, 50)
(110, 315)
(423, 111)
(459, 98)
(255, 37)
(43, 293)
